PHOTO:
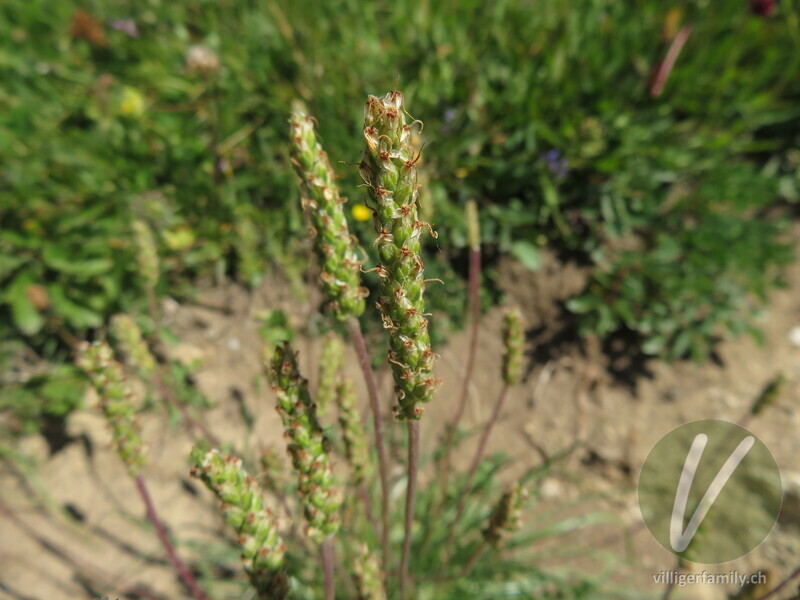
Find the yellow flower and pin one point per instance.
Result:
(361, 212)
(132, 103)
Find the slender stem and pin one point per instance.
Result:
(152, 307)
(665, 68)
(668, 592)
(190, 421)
(180, 567)
(327, 567)
(357, 338)
(473, 560)
(774, 592)
(364, 493)
(476, 460)
(474, 305)
(411, 497)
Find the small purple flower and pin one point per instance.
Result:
(557, 164)
(447, 119)
(126, 26)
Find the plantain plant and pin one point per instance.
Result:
(397, 551)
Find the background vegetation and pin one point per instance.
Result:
(176, 113)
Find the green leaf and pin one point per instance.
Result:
(654, 345)
(64, 260)
(9, 263)
(24, 313)
(682, 343)
(527, 254)
(75, 314)
(668, 249)
(582, 304)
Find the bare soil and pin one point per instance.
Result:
(76, 529)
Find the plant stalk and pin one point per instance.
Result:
(774, 591)
(476, 460)
(180, 567)
(665, 67)
(474, 306)
(411, 497)
(327, 566)
(357, 337)
(190, 421)
(473, 560)
(363, 491)
(152, 308)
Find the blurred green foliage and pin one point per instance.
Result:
(706, 269)
(175, 113)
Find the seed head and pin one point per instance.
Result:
(770, 393)
(146, 253)
(330, 364)
(390, 172)
(130, 340)
(506, 518)
(306, 444)
(367, 576)
(261, 546)
(355, 441)
(116, 401)
(334, 246)
(513, 340)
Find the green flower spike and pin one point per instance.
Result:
(146, 253)
(389, 168)
(506, 518)
(770, 393)
(262, 548)
(513, 341)
(307, 445)
(330, 364)
(130, 340)
(333, 244)
(116, 401)
(355, 443)
(367, 576)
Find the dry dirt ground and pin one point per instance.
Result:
(610, 410)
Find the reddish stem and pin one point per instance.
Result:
(327, 567)
(774, 592)
(665, 68)
(474, 305)
(360, 346)
(180, 567)
(152, 307)
(190, 421)
(364, 493)
(473, 560)
(411, 497)
(476, 460)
